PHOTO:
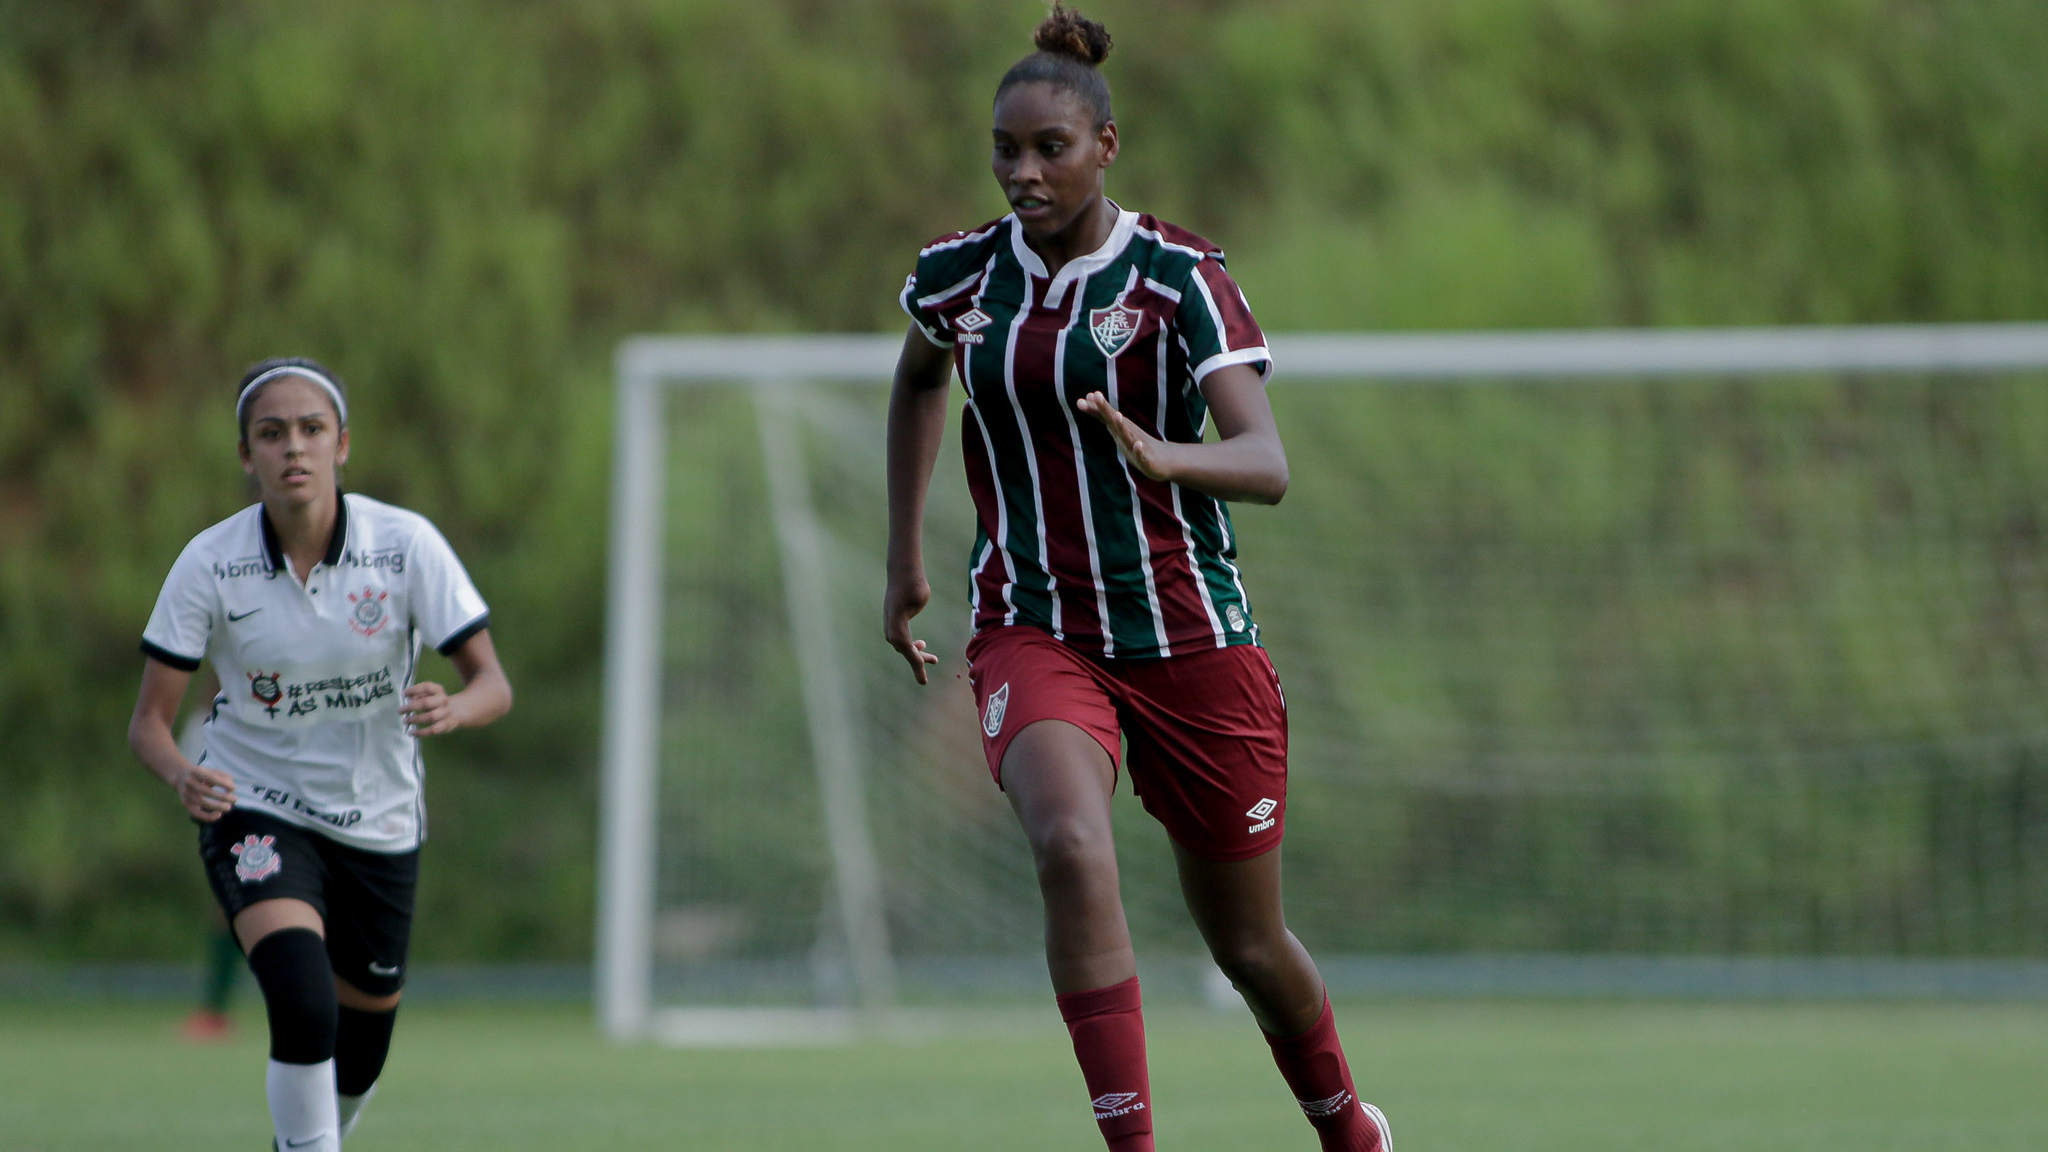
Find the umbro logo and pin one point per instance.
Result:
(972, 320)
(1262, 812)
(1113, 1104)
(1327, 1106)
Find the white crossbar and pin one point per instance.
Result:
(1641, 352)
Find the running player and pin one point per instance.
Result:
(1094, 343)
(311, 606)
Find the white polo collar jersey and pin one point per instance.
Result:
(312, 674)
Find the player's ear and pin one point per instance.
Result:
(248, 462)
(341, 448)
(1107, 137)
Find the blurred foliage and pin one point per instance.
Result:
(1678, 666)
(1749, 666)
(462, 206)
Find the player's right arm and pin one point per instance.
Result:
(205, 792)
(180, 629)
(917, 423)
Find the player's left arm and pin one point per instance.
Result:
(486, 694)
(1247, 463)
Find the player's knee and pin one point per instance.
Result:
(1069, 850)
(292, 969)
(1247, 959)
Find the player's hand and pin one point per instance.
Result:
(906, 597)
(429, 710)
(1147, 453)
(205, 792)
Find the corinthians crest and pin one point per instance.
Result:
(368, 616)
(1113, 327)
(256, 858)
(265, 688)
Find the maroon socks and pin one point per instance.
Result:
(1108, 1029)
(1313, 1066)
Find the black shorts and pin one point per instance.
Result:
(365, 899)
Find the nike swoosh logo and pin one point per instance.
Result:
(244, 616)
(302, 1143)
(377, 969)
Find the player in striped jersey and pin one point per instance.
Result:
(1094, 344)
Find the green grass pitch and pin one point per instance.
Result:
(1453, 1077)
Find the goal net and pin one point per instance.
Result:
(1696, 643)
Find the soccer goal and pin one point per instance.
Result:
(1717, 642)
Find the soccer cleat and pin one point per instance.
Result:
(1385, 1143)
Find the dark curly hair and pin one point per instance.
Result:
(1071, 49)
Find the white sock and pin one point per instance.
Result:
(302, 1106)
(352, 1108)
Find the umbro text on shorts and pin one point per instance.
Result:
(1207, 730)
(365, 899)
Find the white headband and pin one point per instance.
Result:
(313, 374)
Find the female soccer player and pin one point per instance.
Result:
(311, 606)
(1094, 343)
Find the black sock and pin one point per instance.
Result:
(292, 968)
(360, 1045)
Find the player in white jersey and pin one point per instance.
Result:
(312, 606)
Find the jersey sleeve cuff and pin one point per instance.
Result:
(910, 305)
(1258, 355)
(461, 635)
(165, 656)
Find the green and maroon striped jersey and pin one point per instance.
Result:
(1071, 538)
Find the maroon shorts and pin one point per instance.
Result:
(1207, 730)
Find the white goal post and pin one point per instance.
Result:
(648, 367)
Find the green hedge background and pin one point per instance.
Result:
(463, 206)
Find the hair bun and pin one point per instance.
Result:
(1068, 33)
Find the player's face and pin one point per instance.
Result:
(1049, 156)
(296, 441)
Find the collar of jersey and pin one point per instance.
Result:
(273, 548)
(1075, 269)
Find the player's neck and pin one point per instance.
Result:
(1088, 231)
(304, 530)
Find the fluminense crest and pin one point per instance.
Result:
(1113, 327)
(998, 703)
